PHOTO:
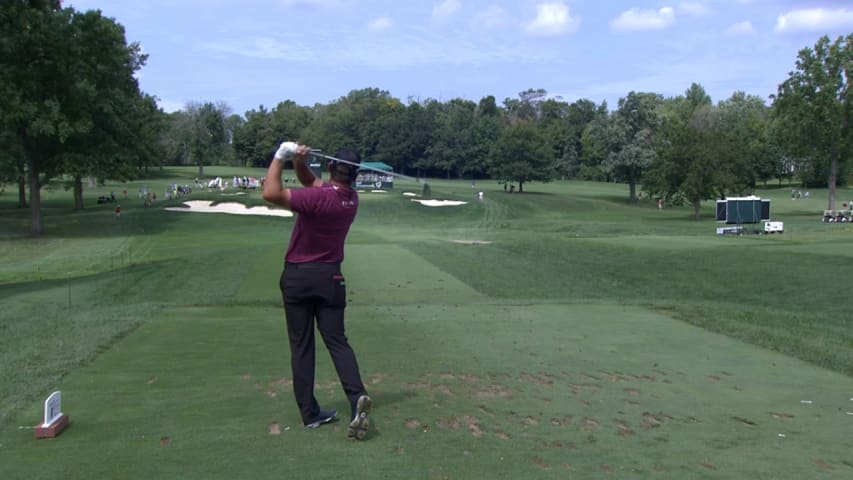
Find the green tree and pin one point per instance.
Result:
(689, 167)
(110, 109)
(522, 155)
(570, 156)
(208, 139)
(628, 139)
(255, 140)
(814, 107)
(35, 61)
(452, 143)
(744, 123)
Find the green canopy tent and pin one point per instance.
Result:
(371, 176)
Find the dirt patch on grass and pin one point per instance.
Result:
(622, 429)
(274, 428)
(499, 391)
(472, 242)
(529, 421)
(577, 387)
(781, 416)
(460, 376)
(650, 421)
(744, 421)
(561, 422)
(413, 423)
(445, 390)
(540, 462)
(165, 441)
(503, 435)
(451, 423)
(473, 426)
(589, 423)
(544, 379)
(823, 465)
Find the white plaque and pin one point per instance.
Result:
(52, 408)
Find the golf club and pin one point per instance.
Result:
(287, 150)
(318, 153)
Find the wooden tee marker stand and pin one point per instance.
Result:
(54, 420)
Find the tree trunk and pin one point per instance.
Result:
(520, 186)
(833, 180)
(35, 199)
(22, 188)
(78, 192)
(696, 206)
(200, 170)
(632, 191)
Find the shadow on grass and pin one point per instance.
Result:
(96, 222)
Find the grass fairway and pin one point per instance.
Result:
(590, 339)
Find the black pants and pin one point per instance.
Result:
(316, 291)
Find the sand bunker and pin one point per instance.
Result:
(233, 208)
(410, 194)
(472, 242)
(440, 203)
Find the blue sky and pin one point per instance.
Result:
(247, 53)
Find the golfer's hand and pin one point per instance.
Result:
(302, 152)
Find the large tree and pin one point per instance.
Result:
(814, 107)
(522, 155)
(108, 104)
(686, 167)
(452, 142)
(35, 64)
(66, 84)
(208, 136)
(628, 139)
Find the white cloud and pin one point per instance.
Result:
(552, 19)
(739, 29)
(263, 47)
(696, 9)
(637, 19)
(445, 9)
(492, 17)
(380, 23)
(814, 19)
(416, 48)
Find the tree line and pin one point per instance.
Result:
(75, 111)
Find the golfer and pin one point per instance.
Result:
(312, 285)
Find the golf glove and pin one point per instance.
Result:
(286, 151)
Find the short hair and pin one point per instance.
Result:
(345, 171)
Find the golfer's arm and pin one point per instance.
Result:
(304, 174)
(272, 191)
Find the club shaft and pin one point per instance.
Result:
(363, 167)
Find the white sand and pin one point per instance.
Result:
(472, 242)
(410, 194)
(440, 203)
(232, 194)
(233, 208)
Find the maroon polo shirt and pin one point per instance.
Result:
(323, 218)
